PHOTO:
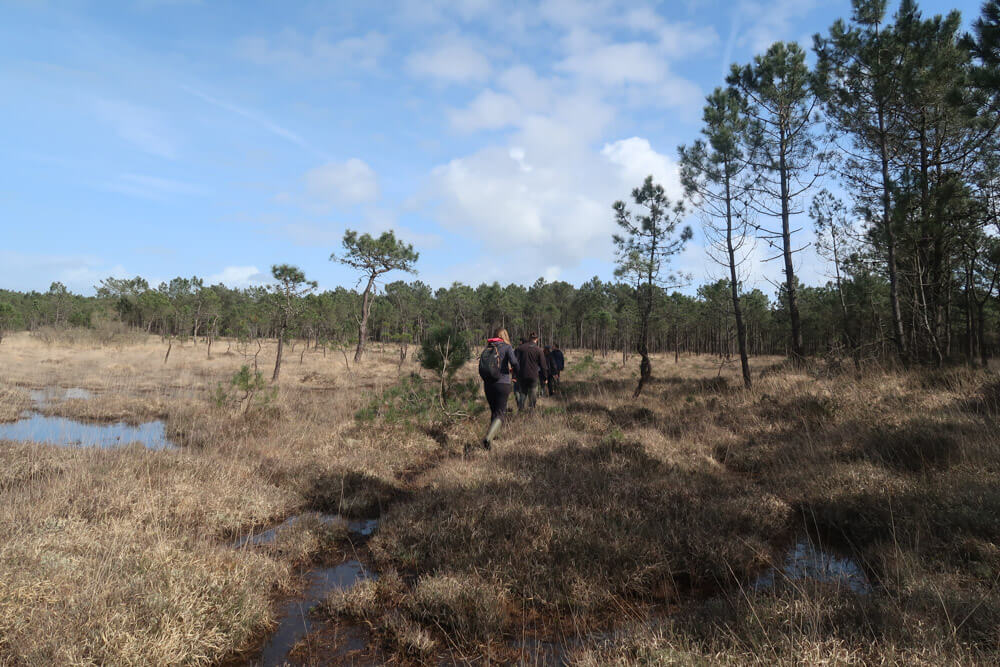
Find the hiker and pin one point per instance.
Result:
(550, 376)
(495, 366)
(558, 364)
(519, 394)
(531, 362)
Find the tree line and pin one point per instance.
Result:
(896, 114)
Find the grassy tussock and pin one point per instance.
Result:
(108, 408)
(13, 402)
(79, 593)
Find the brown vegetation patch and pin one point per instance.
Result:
(575, 527)
(13, 401)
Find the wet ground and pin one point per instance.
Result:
(808, 561)
(68, 432)
(47, 395)
(294, 622)
(36, 427)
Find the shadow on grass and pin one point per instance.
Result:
(351, 494)
(575, 529)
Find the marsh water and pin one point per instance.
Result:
(47, 395)
(294, 623)
(62, 431)
(807, 561)
(360, 527)
(51, 430)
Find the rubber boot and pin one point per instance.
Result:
(492, 432)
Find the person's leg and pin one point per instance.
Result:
(518, 396)
(530, 393)
(498, 411)
(491, 397)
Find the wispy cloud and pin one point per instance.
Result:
(258, 119)
(144, 128)
(151, 187)
(454, 61)
(292, 51)
(342, 183)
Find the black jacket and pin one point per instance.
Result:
(559, 359)
(530, 359)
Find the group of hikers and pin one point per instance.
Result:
(526, 371)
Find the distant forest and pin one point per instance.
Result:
(901, 112)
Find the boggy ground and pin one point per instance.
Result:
(125, 556)
(607, 530)
(599, 529)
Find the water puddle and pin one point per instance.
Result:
(361, 527)
(294, 623)
(43, 397)
(68, 432)
(805, 561)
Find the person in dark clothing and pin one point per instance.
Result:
(558, 364)
(550, 377)
(518, 395)
(498, 392)
(532, 362)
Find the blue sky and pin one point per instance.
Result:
(177, 137)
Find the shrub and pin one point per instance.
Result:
(413, 400)
(247, 389)
(444, 351)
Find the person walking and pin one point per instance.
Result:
(531, 362)
(559, 363)
(550, 376)
(496, 365)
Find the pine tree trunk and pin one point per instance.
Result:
(277, 359)
(363, 324)
(786, 239)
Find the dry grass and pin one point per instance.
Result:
(13, 402)
(124, 556)
(602, 529)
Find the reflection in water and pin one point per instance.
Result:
(807, 561)
(362, 527)
(42, 397)
(295, 624)
(62, 431)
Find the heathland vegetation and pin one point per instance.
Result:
(810, 479)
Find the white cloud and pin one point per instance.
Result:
(443, 11)
(144, 128)
(342, 183)
(238, 276)
(642, 68)
(617, 64)
(636, 160)
(291, 51)
(770, 22)
(454, 61)
(544, 200)
(488, 111)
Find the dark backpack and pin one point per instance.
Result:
(489, 363)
